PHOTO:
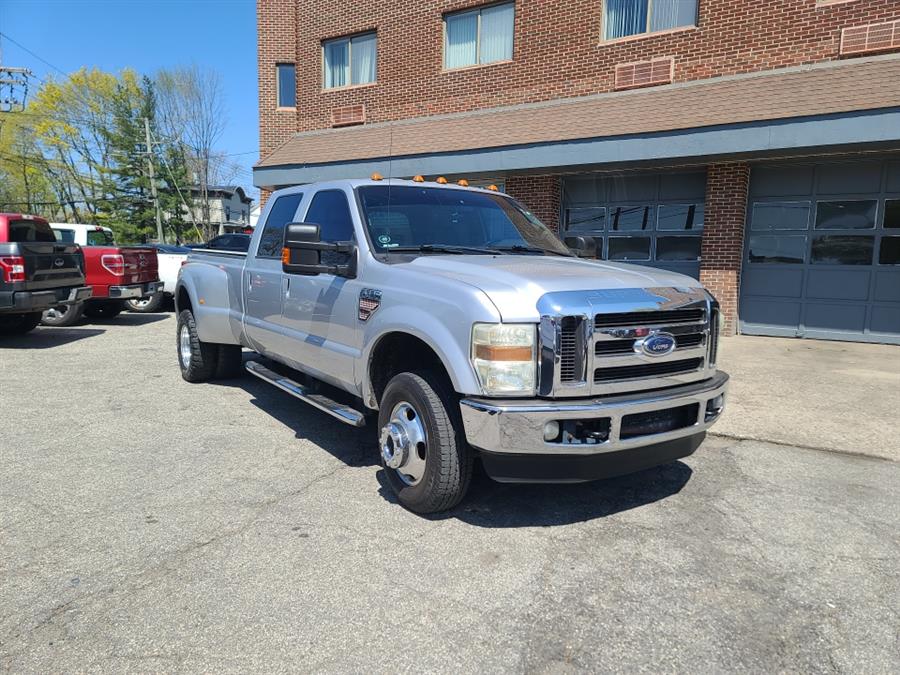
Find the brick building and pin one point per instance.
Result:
(755, 145)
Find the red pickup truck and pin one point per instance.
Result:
(115, 274)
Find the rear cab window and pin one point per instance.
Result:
(64, 236)
(100, 238)
(30, 230)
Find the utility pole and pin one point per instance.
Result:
(159, 228)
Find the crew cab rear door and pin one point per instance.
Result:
(48, 263)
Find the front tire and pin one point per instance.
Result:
(64, 315)
(425, 457)
(19, 324)
(147, 305)
(198, 360)
(103, 309)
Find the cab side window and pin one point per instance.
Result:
(272, 240)
(331, 212)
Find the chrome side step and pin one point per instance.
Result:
(344, 413)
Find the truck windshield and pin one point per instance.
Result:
(440, 220)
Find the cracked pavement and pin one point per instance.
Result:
(147, 524)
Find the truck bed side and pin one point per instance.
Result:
(210, 282)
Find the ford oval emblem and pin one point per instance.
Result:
(658, 344)
(59, 262)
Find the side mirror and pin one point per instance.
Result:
(302, 252)
(584, 247)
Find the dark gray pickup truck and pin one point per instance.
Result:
(36, 272)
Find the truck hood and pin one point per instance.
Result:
(514, 283)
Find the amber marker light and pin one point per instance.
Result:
(418, 179)
(377, 176)
(493, 188)
(441, 180)
(463, 182)
(285, 256)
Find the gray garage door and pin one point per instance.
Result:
(645, 219)
(822, 254)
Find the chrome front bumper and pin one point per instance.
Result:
(517, 426)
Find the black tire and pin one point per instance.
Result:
(448, 458)
(64, 315)
(103, 309)
(230, 363)
(147, 305)
(201, 365)
(19, 324)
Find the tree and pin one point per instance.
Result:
(192, 111)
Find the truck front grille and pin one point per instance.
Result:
(643, 370)
(570, 361)
(614, 347)
(652, 318)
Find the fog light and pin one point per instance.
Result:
(714, 406)
(551, 431)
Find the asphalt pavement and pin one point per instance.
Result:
(150, 525)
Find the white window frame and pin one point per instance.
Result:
(349, 40)
(477, 11)
(646, 30)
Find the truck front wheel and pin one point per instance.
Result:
(197, 359)
(427, 461)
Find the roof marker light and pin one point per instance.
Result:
(377, 176)
(441, 180)
(493, 187)
(463, 182)
(418, 179)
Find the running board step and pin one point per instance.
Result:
(344, 413)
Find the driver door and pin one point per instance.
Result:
(320, 312)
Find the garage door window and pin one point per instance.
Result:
(892, 213)
(777, 250)
(629, 248)
(842, 250)
(678, 248)
(680, 217)
(586, 220)
(890, 251)
(846, 215)
(769, 216)
(630, 218)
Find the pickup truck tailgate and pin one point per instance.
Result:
(141, 264)
(51, 265)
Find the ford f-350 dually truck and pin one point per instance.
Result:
(465, 327)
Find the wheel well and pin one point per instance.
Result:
(398, 353)
(183, 300)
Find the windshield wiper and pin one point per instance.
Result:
(518, 248)
(438, 248)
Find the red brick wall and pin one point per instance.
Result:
(276, 22)
(557, 52)
(723, 236)
(541, 194)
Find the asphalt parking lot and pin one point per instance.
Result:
(149, 525)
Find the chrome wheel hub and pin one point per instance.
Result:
(184, 345)
(403, 443)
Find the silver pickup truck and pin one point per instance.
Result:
(463, 325)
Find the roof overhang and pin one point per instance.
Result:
(825, 108)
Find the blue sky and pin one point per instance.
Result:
(147, 35)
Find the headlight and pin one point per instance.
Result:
(503, 356)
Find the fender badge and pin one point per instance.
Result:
(369, 301)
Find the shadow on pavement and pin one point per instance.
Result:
(488, 504)
(45, 337)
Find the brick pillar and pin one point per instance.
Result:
(541, 194)
(723, 236)
(276, 22)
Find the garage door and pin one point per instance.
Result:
(645, 219)
(822, 252)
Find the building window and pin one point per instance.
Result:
(479, 36)
(622, 18)
(350, 61)
(287, 85)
